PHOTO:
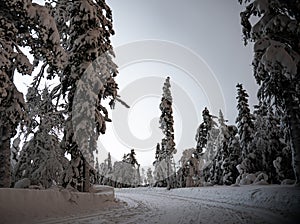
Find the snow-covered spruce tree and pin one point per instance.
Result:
(85, 28)
(260, 142)
(142, 180)
(42, 160)
(244, 121)
(202, 133)
(12, 111)
(125, 173)
(109, 164)
(245, 125)
(217, 151)
(166, 122)
(22, 24)
(189, 167)
(222, 155)
(276, 61)
(159, 168)
(149, 177)
(229, 153)
(221, 119)
(206, 136)
(269, 144)
(105, 171)
(230, 172)
(130, 159)
(157, 153)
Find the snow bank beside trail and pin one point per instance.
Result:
(285, 199)
(27, 205)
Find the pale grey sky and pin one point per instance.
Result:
(210, 28)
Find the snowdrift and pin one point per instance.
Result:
(28, 205)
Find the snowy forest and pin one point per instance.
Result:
(48, 135)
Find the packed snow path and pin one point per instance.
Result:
(247, 204)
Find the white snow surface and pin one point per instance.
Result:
(217, 204)
(31, 205)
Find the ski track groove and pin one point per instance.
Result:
(196, 202)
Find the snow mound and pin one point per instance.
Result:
(27, 205)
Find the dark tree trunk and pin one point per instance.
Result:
(294, 127)
(169, 184)
(86, 176)
(138, 176)
(5, 166)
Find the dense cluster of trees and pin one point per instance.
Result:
(69, 42)
(124, 173)
(264, 147)
(276, 63)
(253, 151)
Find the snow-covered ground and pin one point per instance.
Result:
(28, 205)
(218, 204)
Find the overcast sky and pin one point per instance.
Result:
(210, 28)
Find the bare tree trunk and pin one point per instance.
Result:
(294, 128)
(168, 173)
(86, 176)
(139, 176)
(5, 166)
(175, 182)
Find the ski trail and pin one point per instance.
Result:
(146, 206)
